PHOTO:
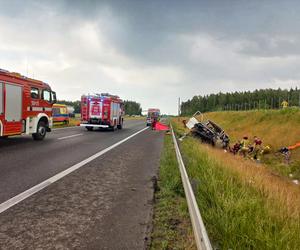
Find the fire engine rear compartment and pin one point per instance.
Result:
(101, 111)
(11, 108)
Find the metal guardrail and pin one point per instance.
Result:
(201, 237)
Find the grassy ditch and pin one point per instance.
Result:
(277, 128)
(243, 205)
(171, 226)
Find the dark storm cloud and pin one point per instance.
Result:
(150, 25)
(143, 48)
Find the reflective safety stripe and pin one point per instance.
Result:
(38, 109)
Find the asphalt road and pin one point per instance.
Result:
(106, 204)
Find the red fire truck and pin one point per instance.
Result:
(153, 113)
(101, 111)
(25, 106)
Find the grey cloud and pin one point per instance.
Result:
(265, 46)
(183, 47)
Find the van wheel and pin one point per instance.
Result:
(89, 128)
(41, 131)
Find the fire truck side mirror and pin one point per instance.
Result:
(53, 99)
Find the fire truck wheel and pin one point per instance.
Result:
(41, 131)
(89, 128)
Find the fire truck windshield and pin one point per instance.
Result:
(153, 114)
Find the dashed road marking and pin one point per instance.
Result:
(69, 136)
(55, 129)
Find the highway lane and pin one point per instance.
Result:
(106, 204)
(25, 163)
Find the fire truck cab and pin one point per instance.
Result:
(101, 111)
(25, 106)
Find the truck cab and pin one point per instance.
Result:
(25, 106)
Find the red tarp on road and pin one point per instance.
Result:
(162, 127)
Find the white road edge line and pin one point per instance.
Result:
(29, 192)
(69, 136)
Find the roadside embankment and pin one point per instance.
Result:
(172, 228)
(244, 205)
(277, 128)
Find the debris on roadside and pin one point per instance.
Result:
(296, 182)
(182, 137)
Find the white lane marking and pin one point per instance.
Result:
(54, 129)
(69, 136)
(22, 196)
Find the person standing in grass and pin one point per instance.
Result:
(284, 104)
(256, 148)
(244, 146)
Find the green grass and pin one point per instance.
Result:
(171, 225)
(237, 215)
(277, 128)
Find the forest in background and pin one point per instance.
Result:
(131, 107)
(246, 100)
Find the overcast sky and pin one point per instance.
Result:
(152, 51)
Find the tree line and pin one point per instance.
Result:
(74, 104)
(258, 99)
(132, 108)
